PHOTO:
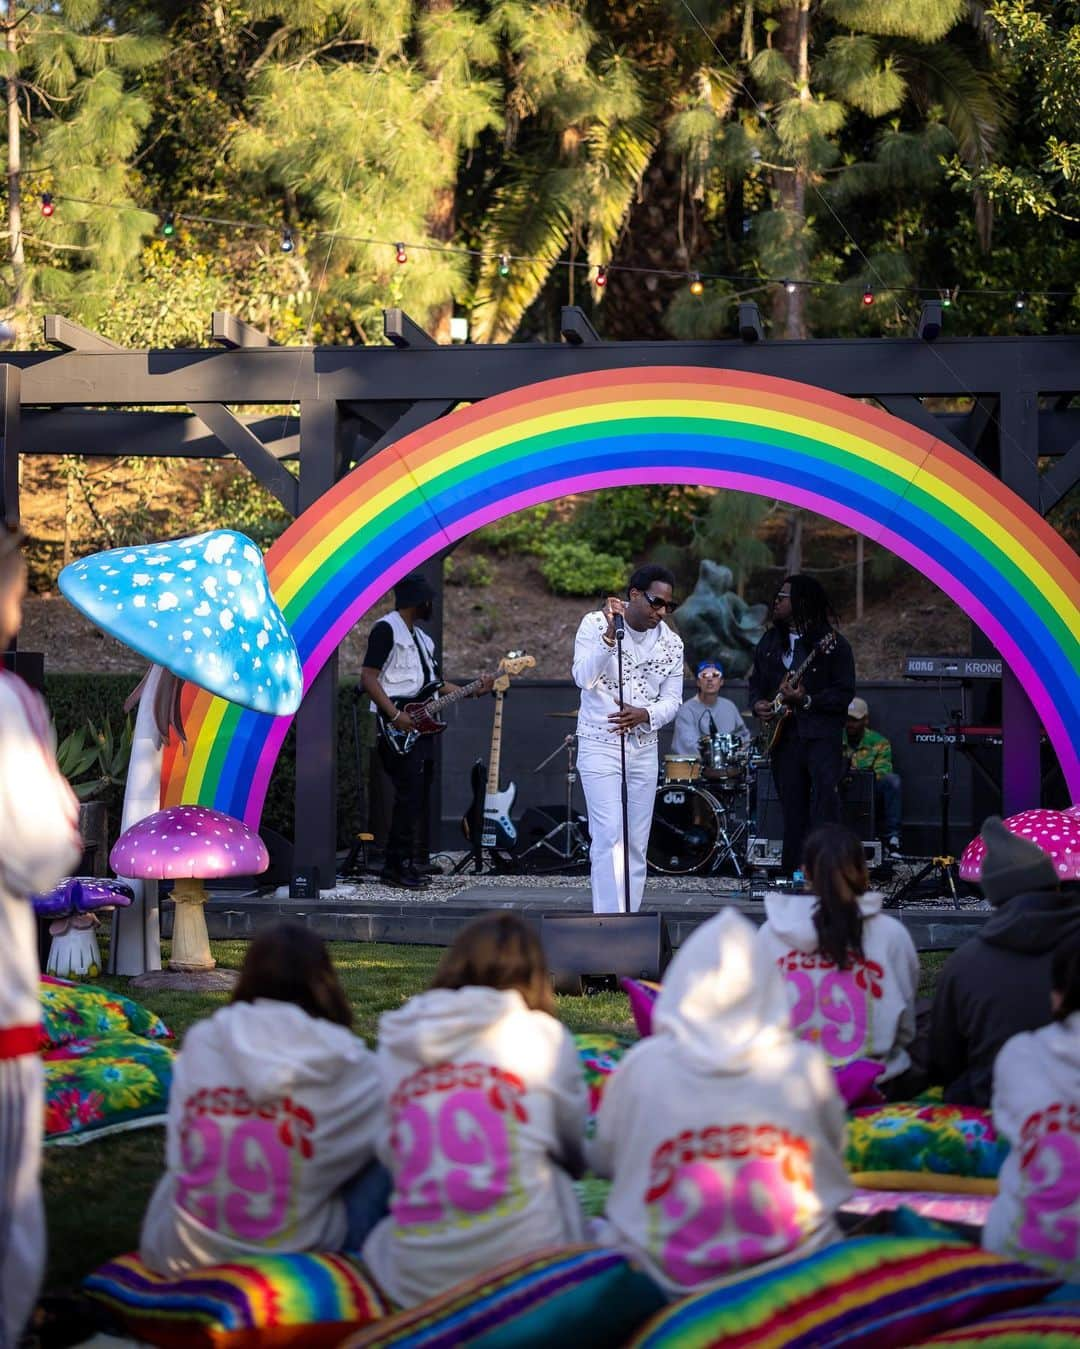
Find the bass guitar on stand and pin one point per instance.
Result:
(780, 712)
(497, 829)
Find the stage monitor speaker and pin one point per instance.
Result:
(582, 946)
(769, 819)
(28, 665)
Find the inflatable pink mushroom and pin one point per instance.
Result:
(187, 845)
(1056, 832)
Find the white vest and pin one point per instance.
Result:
(403, 675)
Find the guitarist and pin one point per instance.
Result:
(399, 663)
(807, 758)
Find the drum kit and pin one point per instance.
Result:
(703, 815)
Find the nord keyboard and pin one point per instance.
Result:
(951, 667)
(955, 735)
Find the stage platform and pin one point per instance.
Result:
(372, 912)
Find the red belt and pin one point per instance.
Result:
(15, 1041)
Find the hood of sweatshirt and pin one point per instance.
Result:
(437, 1026)
(722, 997)
(791, 916)
(271, 1048)
(1035, 922)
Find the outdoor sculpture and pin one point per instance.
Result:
(717, 624)
(201, 609)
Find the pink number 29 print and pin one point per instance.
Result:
(455, 1160)
(1050, 1226)
(236, 1182)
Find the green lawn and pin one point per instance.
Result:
(95, 1195)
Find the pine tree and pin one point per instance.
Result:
(75, 115)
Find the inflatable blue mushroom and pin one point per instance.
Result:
(72, 905)
(201, 609)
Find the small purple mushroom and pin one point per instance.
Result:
(72, 904)
(187, 845)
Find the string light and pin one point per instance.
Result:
(697, 286)
(288, 243)
(504, 264)
(170, 220)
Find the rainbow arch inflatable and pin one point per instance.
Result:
(956, 523)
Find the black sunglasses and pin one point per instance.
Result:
(655, 602)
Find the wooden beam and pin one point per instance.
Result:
(909, 409)
(251, 452)
(61, 332)
(229, 331)
(1060, 478)
(10, 410)
(400, 330)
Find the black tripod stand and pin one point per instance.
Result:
(943, 867)
(564, 844)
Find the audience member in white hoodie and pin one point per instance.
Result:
(722, 1133)
(852, 972)
(487, 1108)
(273, 1110)
(1036, 1106)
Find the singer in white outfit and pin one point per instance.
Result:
(652, 691)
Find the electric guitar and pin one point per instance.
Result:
(779, 712)
(499, 831)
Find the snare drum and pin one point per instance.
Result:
(725, 754)
(681, 768)
(686, 826)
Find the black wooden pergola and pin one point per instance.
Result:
(1017, 419)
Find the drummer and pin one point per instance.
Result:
(706, 714)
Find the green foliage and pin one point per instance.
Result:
(97, 751)
(625, 520)
(474, 571)
(522, 532)
(729, 533)
(231, 498)
(574, 568)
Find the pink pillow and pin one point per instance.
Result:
(854, 1081)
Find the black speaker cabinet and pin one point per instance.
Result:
(304, 883)
(857, 803)
(769, 818)
(580, 946)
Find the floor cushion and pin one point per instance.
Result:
(71, 1011)
(599, 1055)
(875, 1292)
(1048, 1325)
(270, 1301)
(105, 1084)
(925, 1145)
(575, 1295)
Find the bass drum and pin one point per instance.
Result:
(685, 830)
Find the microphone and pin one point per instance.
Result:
(617, 619)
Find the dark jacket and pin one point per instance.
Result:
(995, 986)
(830, 681)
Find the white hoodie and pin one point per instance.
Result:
(271, 1112)
(487, 1108)
(1036, 1106)
(864, 1012)
(722, 1132)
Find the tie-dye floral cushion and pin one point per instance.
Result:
(599, 1055)
(106, 1064)
(925, 1145)
(72, 1011)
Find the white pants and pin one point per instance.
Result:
(601, 778)
(22, 1216)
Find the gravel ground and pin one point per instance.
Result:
(445, 889)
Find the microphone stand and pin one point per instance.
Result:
(619, 631)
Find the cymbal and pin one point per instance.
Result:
(561, 714)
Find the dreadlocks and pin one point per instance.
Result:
(811, 612)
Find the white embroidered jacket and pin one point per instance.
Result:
(652, 679)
